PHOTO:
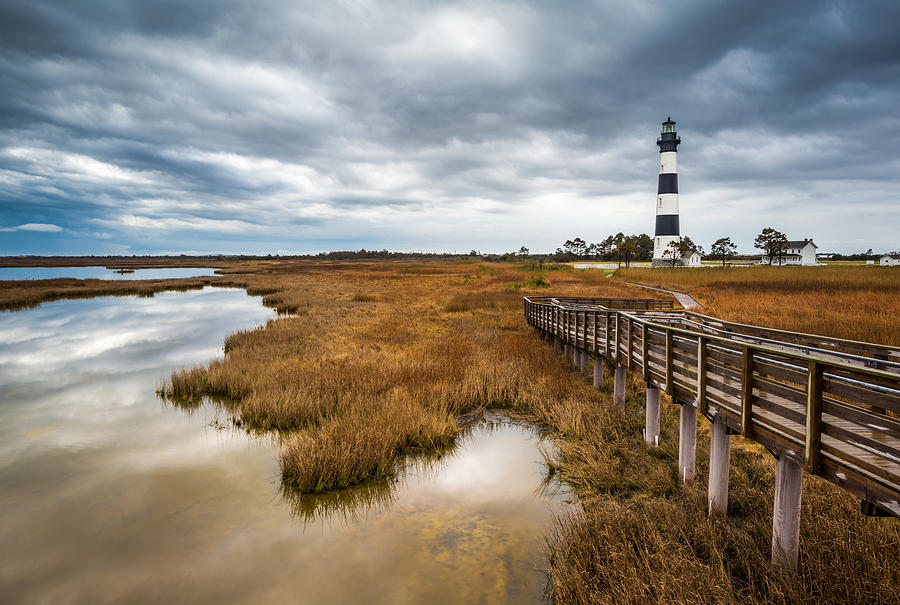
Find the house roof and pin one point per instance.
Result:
(799, 243)
(897, 256)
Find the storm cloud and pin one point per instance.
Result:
(277, 126)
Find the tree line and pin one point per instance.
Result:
(625, 249)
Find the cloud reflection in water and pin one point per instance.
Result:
(109, 494)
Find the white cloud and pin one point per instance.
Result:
(48, 227)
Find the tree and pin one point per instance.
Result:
(723, 248)
(575, 247)
(523, 251)
(773, 243)
(625, 250)
(580, 246)
(677, 248)
(672, 252)
(643, 246)
(607, 247)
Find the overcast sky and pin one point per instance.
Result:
(283, 126)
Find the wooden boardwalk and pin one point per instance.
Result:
(821, 405)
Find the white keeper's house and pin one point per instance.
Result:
(691, 258)
(890, 260)
(797, 252)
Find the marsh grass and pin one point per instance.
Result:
(353, 386)
(852, 302)
(363, 385)
(26, 294)
(536, 281)
(483, 300)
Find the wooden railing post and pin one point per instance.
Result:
(578, 323)
(645, 353)
(584, 330)
(606, 352)
(702, 404)
(575, 327)
(813, 417)
(630, 343)
(746, 390)
(618, 340)
(670, 366)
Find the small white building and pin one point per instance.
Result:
(890, 260)
(691, 259)
(797, 252)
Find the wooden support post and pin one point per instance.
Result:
(557, 343)
(813, 417)
(786, 516)
(598, 371)
(619, 386)
(651, 429)
(746, 391)
(585, 362)
(719, 466)
(576, 356)
(687, 443)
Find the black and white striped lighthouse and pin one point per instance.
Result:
(666, 193)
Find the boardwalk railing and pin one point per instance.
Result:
(826, 406)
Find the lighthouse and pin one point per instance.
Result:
(666, 194)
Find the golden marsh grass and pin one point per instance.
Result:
(380, 359)
(852, 302)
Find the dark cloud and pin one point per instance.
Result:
(278, 126)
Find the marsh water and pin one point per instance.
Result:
(21, 273)
(109, 494)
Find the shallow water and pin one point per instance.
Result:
(20, 273)
(108, 494)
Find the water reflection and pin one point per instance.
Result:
(451, 467)
(107, 494)
(462, 527)
(21, 273)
